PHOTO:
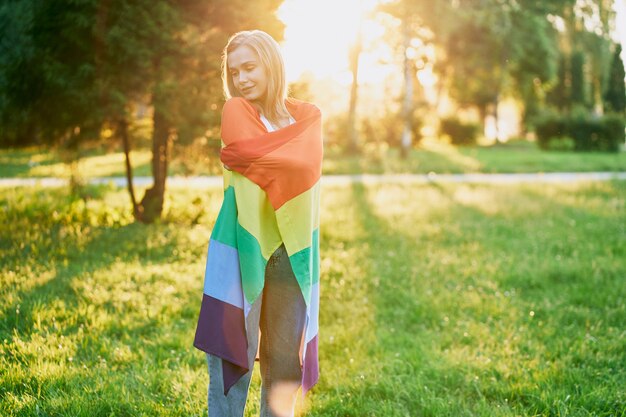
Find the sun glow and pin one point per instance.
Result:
(319, 35)
(318, 39)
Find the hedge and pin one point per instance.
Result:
(460, 133)
(605, 133)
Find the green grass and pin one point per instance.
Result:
(437, 300)
(430, 156)
(433, 156)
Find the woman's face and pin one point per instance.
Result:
(248, 75)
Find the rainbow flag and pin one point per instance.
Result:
(271, 196)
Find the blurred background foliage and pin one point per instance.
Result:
(72, 71)
(86, 76)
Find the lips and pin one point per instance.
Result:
(246, 90)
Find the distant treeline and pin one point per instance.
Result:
(554, 57)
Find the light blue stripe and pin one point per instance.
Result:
(315, 245)
(222, 276)
(313, 324)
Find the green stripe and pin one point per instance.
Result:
(300, 262)
(225, 229)
(252, 264)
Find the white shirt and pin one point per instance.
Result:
(269, 126)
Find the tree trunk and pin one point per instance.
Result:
(122, 131)
(496, 103)
(407, 105)
(152, 202)
(482, 112)
(353, 138)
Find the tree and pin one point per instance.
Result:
(180, 67)
(48, 73)
(579, 87)
(475, 56)
(354, 55)
(486, 49)
(20, 82)
(584, 36)
(501, 48)
(534, 60)
(416, 18)
(559, 95)
(615, 94)
(79, 65)
(182, 45)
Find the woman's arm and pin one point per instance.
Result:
(231, 112)
(240, 120)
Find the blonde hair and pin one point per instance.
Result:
(268, 51)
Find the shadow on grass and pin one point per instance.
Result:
(118, 345)
(67, 260)
(17, 162)
(411, 374)
(479, 317)
(105, 246)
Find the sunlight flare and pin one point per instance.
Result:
(319, 35)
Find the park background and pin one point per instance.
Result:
(439, 298)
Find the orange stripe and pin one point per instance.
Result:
(284, 163)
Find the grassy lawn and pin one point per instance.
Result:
(437, 300)
(431, 156)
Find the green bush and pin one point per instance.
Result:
(562, 143)
(388, 128)
(589, 133)
(548, 126)
(460, 133)
(614, 131)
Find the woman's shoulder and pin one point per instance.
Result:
(238, 105)
(240, 119)
(237, 110)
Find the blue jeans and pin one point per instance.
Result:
(280, 313)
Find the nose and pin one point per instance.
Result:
(243, 77)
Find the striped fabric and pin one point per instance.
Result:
(271, 196)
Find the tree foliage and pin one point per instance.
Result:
(542, 53)
(47, 72)
(70, 68)
(615, 95)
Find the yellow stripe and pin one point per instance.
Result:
(226, 175)
(298, 218)
(256, 214)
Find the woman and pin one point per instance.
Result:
(262, 270)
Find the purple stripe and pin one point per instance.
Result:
(310, 370)
(221, 332)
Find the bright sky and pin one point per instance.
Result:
(318, 35)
